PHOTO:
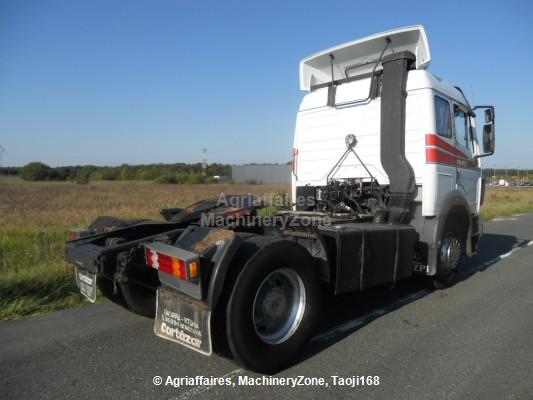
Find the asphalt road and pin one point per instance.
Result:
(472, 341)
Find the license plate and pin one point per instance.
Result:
(183, 321)
(87, 284)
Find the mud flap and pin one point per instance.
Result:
(182, 320)
(86, 282)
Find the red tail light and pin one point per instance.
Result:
(149, 257)
(170, 265)
(165, 263)
(72, 235)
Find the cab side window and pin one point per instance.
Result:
(461, 127)
(443, 117)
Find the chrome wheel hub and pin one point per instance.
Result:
(279, 306)
(450, 253)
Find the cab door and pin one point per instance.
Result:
(468, 172)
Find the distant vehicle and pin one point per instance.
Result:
(220, 178)
(386, 184)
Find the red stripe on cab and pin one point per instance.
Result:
(434, 140)
(437, 156)
(440, 153)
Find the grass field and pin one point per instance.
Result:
(34, 218)
(504, 201)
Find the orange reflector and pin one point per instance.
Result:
(178, 268)
(73, 235)
(193, 270)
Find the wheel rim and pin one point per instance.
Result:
(279, 305)
(450, 252)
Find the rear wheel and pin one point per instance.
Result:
(107, 288)
(449, 257)
(130, 296)
(274, 307)
(140, 300)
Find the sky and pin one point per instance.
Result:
(111, 82)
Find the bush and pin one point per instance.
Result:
(167, 178)
(105, 174)
(36, 171)
(193, 179)
(182, 177)
(82, 178)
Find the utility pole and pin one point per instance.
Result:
(204, 162)
(2, 152)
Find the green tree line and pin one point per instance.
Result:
(162, 173)
(9, 171)
(511, 172)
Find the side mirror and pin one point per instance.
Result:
(489, 115)
(489, 131)
(488, 138)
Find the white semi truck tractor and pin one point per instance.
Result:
(386, 184)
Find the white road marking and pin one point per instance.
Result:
(365, 319)
(521, 244)
(202, 389)
(509, 252)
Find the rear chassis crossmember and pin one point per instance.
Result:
(118, 254)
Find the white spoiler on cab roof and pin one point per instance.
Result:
(360, 56)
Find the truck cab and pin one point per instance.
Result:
(440, 143)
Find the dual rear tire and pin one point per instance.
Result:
(128, 295)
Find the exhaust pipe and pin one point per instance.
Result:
(393, 160)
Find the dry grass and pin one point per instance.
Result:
(63, 204)
(34, 218)
(504, 201)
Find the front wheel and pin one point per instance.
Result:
(450, 253)
(274, 307)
